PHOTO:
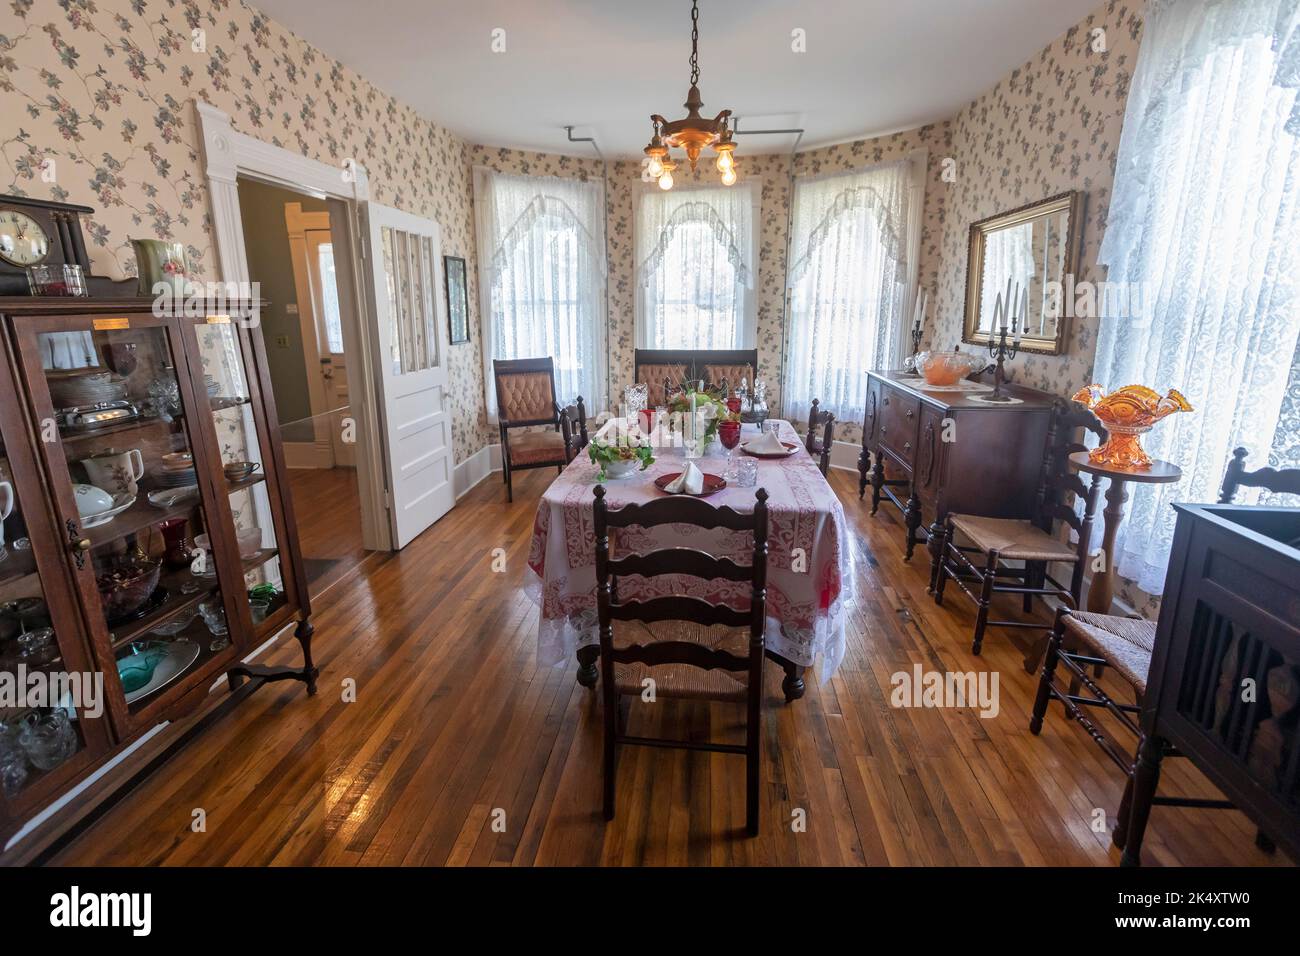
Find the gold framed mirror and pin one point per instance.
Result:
(1034, 247)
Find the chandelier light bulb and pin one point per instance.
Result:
(654, 167)
(666, 181)
(729, 176)
(725, 162)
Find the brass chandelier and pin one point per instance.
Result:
(694, 133)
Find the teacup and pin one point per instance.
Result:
(117, 472)
(239, 470)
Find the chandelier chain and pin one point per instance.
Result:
(695, 40)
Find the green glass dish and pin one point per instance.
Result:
(136, 668)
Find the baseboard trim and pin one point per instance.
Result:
(475, 468)
(844, 455)
(308, 454)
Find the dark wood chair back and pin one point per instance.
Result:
(665, 370)
(680, 509)
(1281, 480)
(573, 422)
(1060, 484)
(820, 446)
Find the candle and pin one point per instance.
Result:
(1018, 326)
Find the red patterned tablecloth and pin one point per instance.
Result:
(810, 575)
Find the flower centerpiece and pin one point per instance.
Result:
(699, 412)
(618, 458)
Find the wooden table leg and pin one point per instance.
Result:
(587, 657)
(792, 685)
(1102, 588)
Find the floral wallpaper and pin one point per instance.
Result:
(1051, 125)
(96, 98)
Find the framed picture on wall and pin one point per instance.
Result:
(457, 304)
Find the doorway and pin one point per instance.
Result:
(289, 245)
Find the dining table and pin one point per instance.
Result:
(810, 577)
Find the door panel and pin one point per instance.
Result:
(48, 736)
(408, 317)
(156, 564)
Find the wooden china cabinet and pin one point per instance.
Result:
(148, 532)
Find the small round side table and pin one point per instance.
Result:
(1102, 588)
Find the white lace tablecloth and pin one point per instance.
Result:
(810, 577)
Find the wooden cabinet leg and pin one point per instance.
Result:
(1146, 776)
(935, 546)
(864, 466)
(303, 632)
(587, 657)
(877, 482)
(912, 518)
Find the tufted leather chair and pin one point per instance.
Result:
(526, 397)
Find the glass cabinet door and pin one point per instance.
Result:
(222, 348)
(138, 501)
(52, 696)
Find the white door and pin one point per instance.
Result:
(409, 329)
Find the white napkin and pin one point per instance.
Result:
(690, 481)
(766, 444)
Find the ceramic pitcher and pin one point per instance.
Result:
(117, 472)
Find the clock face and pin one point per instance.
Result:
(22, 240)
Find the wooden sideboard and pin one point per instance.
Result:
(932, 452)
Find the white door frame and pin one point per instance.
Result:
(227, 154)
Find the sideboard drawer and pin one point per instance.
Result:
(899, 417)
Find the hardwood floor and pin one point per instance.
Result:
(460, 750)
(328, 506)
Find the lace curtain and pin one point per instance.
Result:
(1206, 216)
(695, 255)
(848, 285)
(542, 278)
(1008, 254)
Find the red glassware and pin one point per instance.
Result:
(729, 435)
(733, 405)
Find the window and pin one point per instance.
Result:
(541, 270)
(853, 237)
(330, 297)
(695, 267)
(408, 266)
(1205, 222)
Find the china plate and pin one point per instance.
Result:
(166, 497)
(120, 504)
(712, 484)
(790, 449)
(180, 655)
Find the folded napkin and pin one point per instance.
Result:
(690, 481)
(766, 444)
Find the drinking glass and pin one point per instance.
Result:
(214, 616)
(260, 608)
(47, 739)
(746, 473)
(729, 435)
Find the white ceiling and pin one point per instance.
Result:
(603, 66)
